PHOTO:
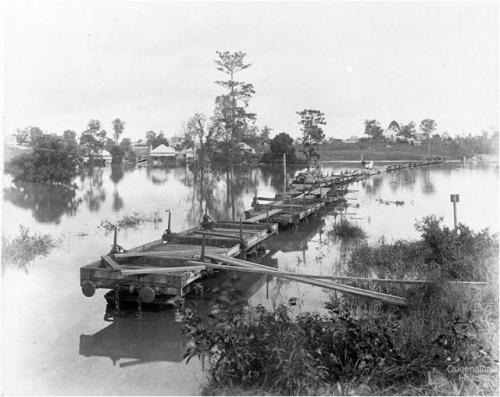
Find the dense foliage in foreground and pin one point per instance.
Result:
(427, 348)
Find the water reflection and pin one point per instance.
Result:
(273, 176)
(153, 337)
(92, 185)
(157, 336)
(158, 176)
(47, 202)
(427, 186)
(290, 241)
(372, 185)
(221, 195)
(116, 176)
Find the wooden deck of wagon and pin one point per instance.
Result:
(160, 267)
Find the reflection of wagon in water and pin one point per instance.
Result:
(162, 268)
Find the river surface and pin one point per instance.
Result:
(56, 341)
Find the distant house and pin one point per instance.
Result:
(185, 155)
(176, 141)
(105, 156)
(420, 136)
(352, 139)
(246, 149)
(141, 150)
(392, 131)
(101, 157)
(400, 138)
(163, 151)
(12, 148)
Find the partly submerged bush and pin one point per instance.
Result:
(26, 247)
(133, 221)
(345, 229)
(460, 254)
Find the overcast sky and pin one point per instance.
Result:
(152, 63)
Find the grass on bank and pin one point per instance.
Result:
(383, 150)
(427, 348)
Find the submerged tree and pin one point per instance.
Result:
(312, 133)
(93, 139)
(28, 135)
(428, 126)
(281, 144)
(118, 127)
(53, 159)
(231, 109)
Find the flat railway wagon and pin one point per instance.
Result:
(159, 268)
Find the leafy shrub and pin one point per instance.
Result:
(460, 253)
(442, 253)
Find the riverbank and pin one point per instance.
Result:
(390, 151)
(444, 343)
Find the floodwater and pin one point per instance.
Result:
(56, 341)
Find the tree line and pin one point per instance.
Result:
(374, 130)
(219, 140)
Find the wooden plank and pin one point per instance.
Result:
(285, 207)
(266, 198)
(151, 254)
(262, 216)
(111, 263)
(230, 236)
(234, 232)
(162, 270)
(271, 271)
(392, 299)
(236, 225)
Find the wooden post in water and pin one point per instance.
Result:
(115, 232)
(454, 198)
(429, 140)
(284, 173)
(169, 220)
(202, 256)
(242, 242)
